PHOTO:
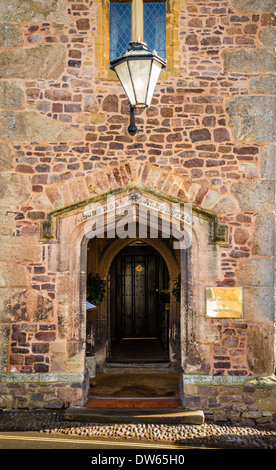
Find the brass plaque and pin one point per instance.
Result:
(224, 302)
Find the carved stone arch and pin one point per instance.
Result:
(67, 240)
(114, 248)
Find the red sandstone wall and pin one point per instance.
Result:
(191, 133)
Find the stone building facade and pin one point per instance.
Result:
(207, 140)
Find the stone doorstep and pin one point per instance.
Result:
(101, 402)
(132, 416)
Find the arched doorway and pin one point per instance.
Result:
(138, 306)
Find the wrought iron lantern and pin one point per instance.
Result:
(138, 71)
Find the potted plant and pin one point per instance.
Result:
(95, 289)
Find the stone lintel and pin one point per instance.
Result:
(219, 232)
(51, 377)
(229, 381)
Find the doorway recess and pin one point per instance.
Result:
(138, 306)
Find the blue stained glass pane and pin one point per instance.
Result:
(119, 28)
(155, 27)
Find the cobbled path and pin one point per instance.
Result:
(206, 435)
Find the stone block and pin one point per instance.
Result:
(4, 341)
(241, 236)
(24, 305)
(79, 191)
(268, 161)
(263, 85)
(30, 126)
(14, 188)
(58, 356)
(11, 95)
(211, 199)
(46, 62)
(252, 118)
(249, 61)
(256, 272)
(267, 404)
(6, 159)
(267, 37)
(252, 414)
(255, 195)
(10, 35)
(254, 6)
(68, 395)
(264, 235)
(199, 135)
(12, 275)
(111, 104)
(90, 104)
(34, 10)
(6, 221)
(226, 205)
(260, 349)
(258, 304)
(20, 249)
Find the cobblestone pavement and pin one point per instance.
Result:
(207, 435)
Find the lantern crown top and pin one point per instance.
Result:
(138, 50)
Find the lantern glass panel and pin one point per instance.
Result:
(122, 71)
(155, 72)
(140, 74)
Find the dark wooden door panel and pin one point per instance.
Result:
(135, 293)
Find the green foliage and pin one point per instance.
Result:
(95, 289)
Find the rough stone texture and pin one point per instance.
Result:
(216, 434)
(256, 272)
(6, 159)
(12, 275)
(225, 205)
(264, 235)
(263, 85)
(14, 188)
(249, 61)
(31, 126)
(90, 104)
(37, 62)
(255, 195)
(4, 341)
(260, 358)
(11, 95)
(24, 305)
(10, 35)
(20, 250)
(6, 220)
(258, 304)
(250, 402)
(252, 118)
(267, 37)
(247, 6)
(35, 10)
(268, 161)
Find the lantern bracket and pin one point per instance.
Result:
(132, 129)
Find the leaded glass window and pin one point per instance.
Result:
(138, 18)
(119, 28)
(155, 27)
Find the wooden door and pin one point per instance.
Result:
(139, 300)
(136, 278)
